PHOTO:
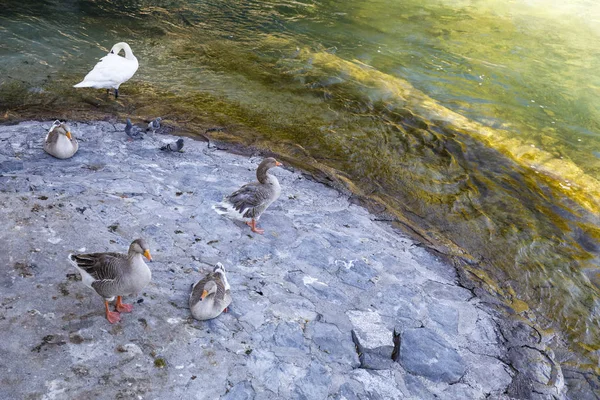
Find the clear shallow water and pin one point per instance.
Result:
(474, 122)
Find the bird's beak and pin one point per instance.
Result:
(147, 255)
(204, 294)
(278, 164)
(69, 135)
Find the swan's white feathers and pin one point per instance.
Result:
(112, 70)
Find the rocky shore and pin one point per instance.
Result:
(323, 268)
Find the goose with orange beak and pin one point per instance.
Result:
(251, 200)
(211, 295)
(59, 141)
(115, 275)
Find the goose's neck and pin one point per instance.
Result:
(262, 174)
(63, 141)
(135, 259)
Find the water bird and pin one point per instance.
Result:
(133, 131)
(211, 295)
(112, 70)
(175, 146)
(252, 199)
(59, 141)
(381, 357)
(115, 275)
(154, 125)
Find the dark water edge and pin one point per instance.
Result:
(431, 222)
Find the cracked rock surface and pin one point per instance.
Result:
(323, 267)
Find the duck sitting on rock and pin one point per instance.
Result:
(252, 199)
(211, 295)
(381, 357)
(115, 275)
(59, 141)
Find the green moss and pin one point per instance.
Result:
(160, 362)
(13, 94)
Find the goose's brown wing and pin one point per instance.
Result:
(101, 266)
(249, 199)
(52, 137)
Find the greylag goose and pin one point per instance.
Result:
(211, 295)
(252, 199)
(59, 141)
(112, 70)
(115, 275)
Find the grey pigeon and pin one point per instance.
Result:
(133, 131)
(154, 125)
(174, 146)
(381, 357)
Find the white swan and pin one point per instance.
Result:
(112, 70)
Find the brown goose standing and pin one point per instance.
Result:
(59, 141)
(211, 295)
(114, 274)
(252, 199)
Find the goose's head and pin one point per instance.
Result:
(61, 128)
(209, 288)
(269, 162)
(139, 246)
(264, 166)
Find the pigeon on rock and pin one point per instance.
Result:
(175, 146)
(154, 125)
(133, 131)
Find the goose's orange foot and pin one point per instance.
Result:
(122, 307)
(226, 309)
(252, 225)
(113, 317)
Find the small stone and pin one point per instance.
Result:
(76, 338)
(131, 348)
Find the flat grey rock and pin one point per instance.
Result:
(323, 267)
(424, 353)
